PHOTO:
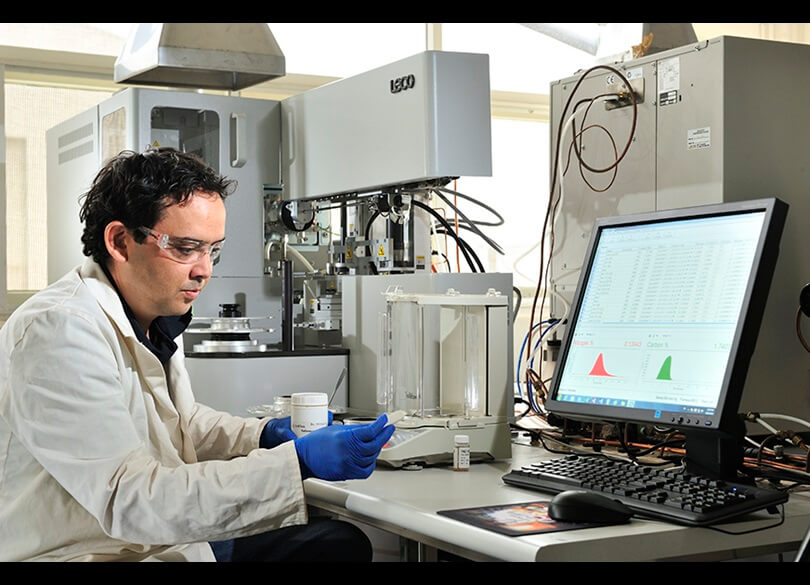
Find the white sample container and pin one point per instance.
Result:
(461, 453)
(309, 412)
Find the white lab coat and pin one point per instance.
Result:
(103, 458)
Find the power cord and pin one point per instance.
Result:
(779, 523)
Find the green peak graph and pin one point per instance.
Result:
(665, 373)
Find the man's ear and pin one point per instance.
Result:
(116, 239)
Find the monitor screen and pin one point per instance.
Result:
(665, 316)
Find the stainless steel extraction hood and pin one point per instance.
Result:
(204, 55)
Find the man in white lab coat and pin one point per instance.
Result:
(104, 454)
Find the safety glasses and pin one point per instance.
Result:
(184, 250)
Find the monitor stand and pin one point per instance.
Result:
(717, 453)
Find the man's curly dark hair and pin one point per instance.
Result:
(136, 187)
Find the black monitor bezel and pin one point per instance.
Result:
(726, 416)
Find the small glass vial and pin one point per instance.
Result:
(461, 453)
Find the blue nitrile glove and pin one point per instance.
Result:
(278, 431)
(343, 451)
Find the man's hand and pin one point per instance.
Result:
(343, 451)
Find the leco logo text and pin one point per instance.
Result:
(402, 83)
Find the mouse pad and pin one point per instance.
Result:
(512, 519)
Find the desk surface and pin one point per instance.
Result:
(406, 502)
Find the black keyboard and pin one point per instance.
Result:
(673, 495)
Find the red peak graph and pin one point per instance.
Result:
(598, 368)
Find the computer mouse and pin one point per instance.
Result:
(581, 506)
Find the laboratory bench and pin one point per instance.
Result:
(405, 503)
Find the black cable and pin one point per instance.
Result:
(631, 456)
(463, 243)
(578, 135)
(516, 308)
(541, 436)
(615, 153)
(555, 168)
(632, 126)
(641, 452)
(775, 474)
(464, 246)
(367, 234)
(437, 253)
(464, 226)
(450, 231)
(653, 448)
(522, 414)
(489, 241)
(583, 453)
(374, 216)
(500, 222)
(761, 448)
(467, 224)
(781, 521)
(804, 300)
(802, 340)
(621, 432)
(636, 453)
(472, 253)
(485, 206)
(660, 464)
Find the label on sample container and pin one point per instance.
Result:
(461, 458)
(309, 412)
(698, 138)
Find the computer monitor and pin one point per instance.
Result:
(665, 319)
